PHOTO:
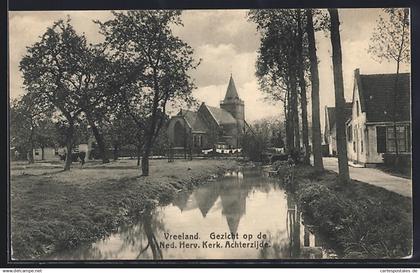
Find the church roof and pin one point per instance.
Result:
(194, 120)
(231, 92)
(206, 197)
(221, 116)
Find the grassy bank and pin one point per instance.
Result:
(358, 220)
(53, 210)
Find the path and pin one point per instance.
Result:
(374, 176)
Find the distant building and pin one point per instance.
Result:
(370, 131)
(330, 136)
(52, 153)
(47, 153)
(210, 127)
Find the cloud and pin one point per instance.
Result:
(203, 27)
(219, 61)
(227, 43)
(26, 27)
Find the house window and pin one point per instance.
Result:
(55, 151)
(349, 134)
(403, 139)
(36, 152)
(197, 140)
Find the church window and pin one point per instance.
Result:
(357, 108)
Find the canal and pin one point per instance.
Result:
(245, 207)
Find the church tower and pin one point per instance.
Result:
(234, 105)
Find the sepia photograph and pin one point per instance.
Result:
(210, 134)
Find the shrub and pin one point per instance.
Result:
(356, 226)
(324, 208)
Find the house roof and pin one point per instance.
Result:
(348, 111)
(231, 92)
(331, 113)
(221, 116)
(193, 120)
(376, 94)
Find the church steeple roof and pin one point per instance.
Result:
(231, 92)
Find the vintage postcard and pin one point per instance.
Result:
(222, 134)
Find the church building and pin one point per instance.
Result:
(210, 127)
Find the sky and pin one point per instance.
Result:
(227, 44)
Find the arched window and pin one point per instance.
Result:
(179, 135)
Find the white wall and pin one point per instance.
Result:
(332, 141)
(49, 152)
(359, 132)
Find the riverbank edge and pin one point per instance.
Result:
(356, 221)
(134, 199)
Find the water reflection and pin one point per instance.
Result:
(243, 202)
(295, 244)
(233, 194)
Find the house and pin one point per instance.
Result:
(370, 131)
(210, 127)
(330, 127)
(47, 153)
(52, 153)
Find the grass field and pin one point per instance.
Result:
(52, 209)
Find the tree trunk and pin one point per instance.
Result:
(295, 110)
(69, 145)
(316, 126)
(296, 124)
(150, 134)
(100, 140)
(151, 238)
(289, 122)
(115, 152)
(343, 168)
(303, 99)
(31, 156)
(305, 136)
(145, 162)
(138, 154)
(42, 153)
(394, 116)
(31, 149)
